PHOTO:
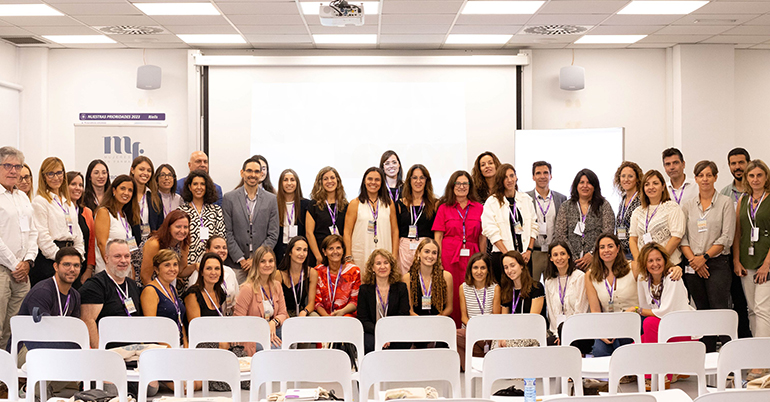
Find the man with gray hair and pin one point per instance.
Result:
(18, 240)
(108, 293)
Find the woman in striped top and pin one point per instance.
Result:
(479, 295)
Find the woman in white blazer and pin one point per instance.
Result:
(508, 220)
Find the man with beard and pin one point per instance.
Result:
(108, 293)
(738, 159)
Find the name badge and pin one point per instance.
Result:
(580, 227)
(333, 229)
(24, 223)
(754, 234)
(464, 252)
(622, 233)
(702, 225)
(426, 302)
(517, 228)
(544, 246)
(204, 233)
(542, 228)
(412, 232)
(647, 238)
(560, 319)
(129, 303)
(370, 226)
(68, 219)
(145, 230)
(132, 244)
(289, 232)
(413, 245)
(688, 270)
(751, 250)
(611, 306)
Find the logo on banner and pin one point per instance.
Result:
(121, 149)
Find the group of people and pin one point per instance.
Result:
(150, 243)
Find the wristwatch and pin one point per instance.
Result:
(31, 263)
(706, 256)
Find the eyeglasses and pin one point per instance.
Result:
(462, 184)
(51, 175)
(418, 178)
(165, 176)
(11, 166)
(251, 171)
(25, 178)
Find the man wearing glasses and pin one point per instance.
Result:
(18, 239)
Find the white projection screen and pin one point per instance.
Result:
(308, 117)
(569, 151)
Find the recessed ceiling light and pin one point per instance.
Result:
(477, 39)
(312, 7)
(502, 7)
(662, 7)
(608, 39)
(200, 39)
(177, 8)
(27, 10)
(78, 39)
(358, 39)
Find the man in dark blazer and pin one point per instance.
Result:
(251, 219)
(547, 204)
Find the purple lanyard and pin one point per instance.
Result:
(336, 284)
(752, 210)
(375, 208)
(293, 289)
(513, 211)
(648, 218)
(332, 213)
(141, 206)
(269, 298)
(66, 211)
(736, 194)
(610, 290)
(624, 206)
(547, 208)
(124, 222)
(681, 193)
(394, 198)
(176, 305)
(416, 213)
(583, 219)
(516, 303)
(467, 210)
(383, 304)
(122, 295)
(649, 287)
(248, 207)
(58, 298)
(425, 292)
(562, 293)
(481, 304)
(200, 215)
(290, 218)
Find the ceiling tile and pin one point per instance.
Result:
(674, 38)
(625, 29)
(428, 19)
(761, 46)
(278, 38)
(146, 39)
(714, 19)
(737, 39)
(76, 1)
(486, 29)
(566, 19)
(421, 7)
(415, 29)
(638, 45)
(425, 39)
(749, 30)
(272, 29)
(14, 31)
(537, 39)
(742, 45)
(734, 7)
(200, 29)
(761, 20)
(582, 7)
(41, 21)
(98, 9)
(190, 20)
(259, 8)
(693, 29)
(626, 19)
(474, 19)
(104, 20)
(266, 19)
(366, 29)
(65, 30)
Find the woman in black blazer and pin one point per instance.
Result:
(381, 294)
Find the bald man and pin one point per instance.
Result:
(199, 160)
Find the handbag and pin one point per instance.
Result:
(759, 383)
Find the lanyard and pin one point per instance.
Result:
(648, 218)
(624, 206)
(200, 215)
(142, 204)
(681, 194)
(425, 292)
(213, 302)
(58, 298)
(163, 201)
(332, 213)
(752, 212)
(293, 289)
(290, 218)
(548, 206)
(516, 302)
(514, 212)
(123, 295)
(583, 218)
(269, 298)
(65, 210)
(736, 194)
(467, 207)
(250, 205)
(562, 293)
(176, 304)
(649, 287)
(394, 198)
(610, 290)
(481, 303)
(336, 284)
(124, 222)
(375, 208)
(384, 304)
(417, 213)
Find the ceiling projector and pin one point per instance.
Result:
(339, 14)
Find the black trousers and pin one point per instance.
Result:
(712, 293)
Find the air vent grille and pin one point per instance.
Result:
(131, 30)
(23, 40)
(554, 30)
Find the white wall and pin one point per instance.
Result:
(8, 63)
(752, 113)
(9, 97)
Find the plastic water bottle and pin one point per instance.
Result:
(530, 392)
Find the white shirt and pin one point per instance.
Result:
(575, 300)
(549, 205)
(18, 235)
(666, 221)
(673, 298)
(51, 223)
(688, 187)
(496, 221)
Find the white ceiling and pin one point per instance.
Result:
(402, 24)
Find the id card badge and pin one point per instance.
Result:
(580, 227)
(518, 229)
(129, 303)
(426, 302)
(370, 226)
(688, 270)
(132, 244)
(647, 238)
(751, 250)
(542, 228)
(754, 234)
(702, 225)
(333, 229)
(204, 233)
(543, 246)
(560, 319)
(464, 252)
(145, 230)
(24, 223)
(412, 232)
(611, 306)
(413, 244)
(68, 219)
(622, 233)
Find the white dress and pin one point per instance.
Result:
(117, 231)
(363, 240)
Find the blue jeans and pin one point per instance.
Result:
(602, 349)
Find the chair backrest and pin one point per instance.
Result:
(179, 365)
(308, 365)
(76, 365)
(503, 326)
(419, 365)
(415, 329)
(746, 353)
(535, 362)
(49, 329)
(698, 323)
(229, 329)
(138, 329)
(323, 329)
(754, 395)
(607, 398)
(601, 325)
(658, 359)
(9, 375)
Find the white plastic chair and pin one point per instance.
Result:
(495, 327)
(137, 330)
(229, 329)
(309, 365)
(9, 375)
(741, 354)
(760, 395)
(74, 365)
(699, 323)
(658, 359)
(409, 366)
(600, 326)
(323, 329)
(534, 362)
(607, 398)
(415, 329)
(179, 365)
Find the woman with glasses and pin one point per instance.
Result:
(165, 178)
(56, 219)
(25, 184)
(457, 229)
